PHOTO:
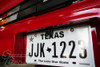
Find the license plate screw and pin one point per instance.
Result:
(35, 35)
(72, 29)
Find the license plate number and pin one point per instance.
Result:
(63, 47)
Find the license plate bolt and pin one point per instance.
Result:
(72, 29)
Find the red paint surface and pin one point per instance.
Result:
(96, 46)
(79, 11)
(7, 4)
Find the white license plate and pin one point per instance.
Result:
(68, 47)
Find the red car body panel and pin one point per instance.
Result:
(12, 36)
(7, 4)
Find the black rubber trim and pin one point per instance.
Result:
(62, 5)
(21, 10)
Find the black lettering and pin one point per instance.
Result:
(72, 43)
(36, 55)
(31, 53)
(56, 35)
(42, 50)
(42, 36)
(51, 36)
(55, 56)
(64, 47)
(61, 34)
(46, 36)
(85, 54)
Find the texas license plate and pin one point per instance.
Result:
(68, 47)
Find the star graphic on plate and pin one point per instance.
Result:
(49, 49)
(31, 39)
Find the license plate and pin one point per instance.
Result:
(68, 47)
